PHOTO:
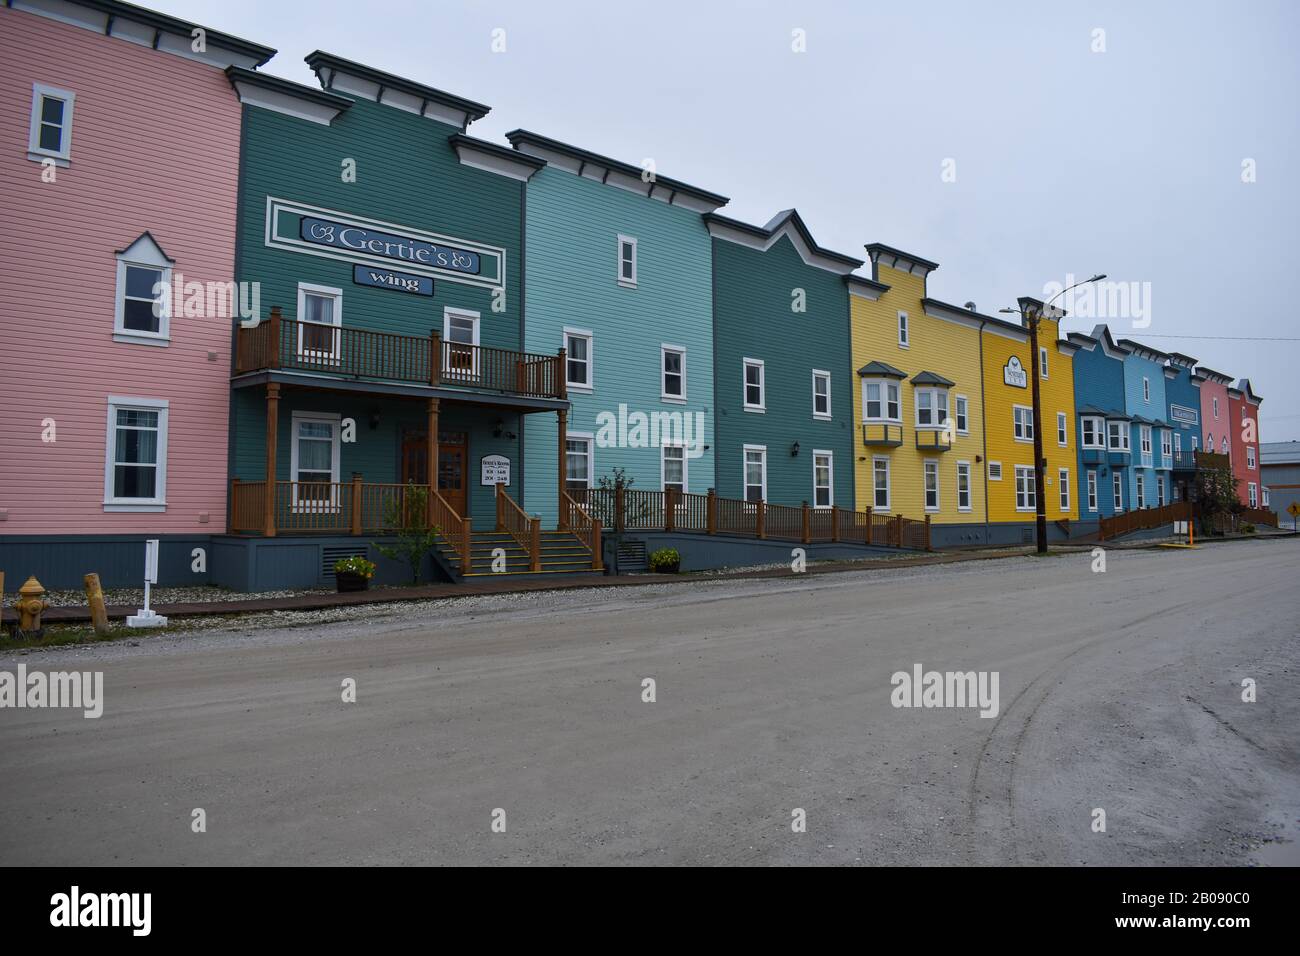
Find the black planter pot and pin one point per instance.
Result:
(351, 581)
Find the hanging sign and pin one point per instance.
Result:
(495, 470)
(1013, 373)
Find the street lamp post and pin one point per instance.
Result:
(1030, 313)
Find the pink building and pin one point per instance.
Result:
(1216, 416)
(1243, 404)
(120, 166)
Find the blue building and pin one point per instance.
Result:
(1105, 429)
(618, 267)
(1150, 481)
(1183, 392)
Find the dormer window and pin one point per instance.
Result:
(142, 314)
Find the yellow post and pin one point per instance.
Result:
(95, 598)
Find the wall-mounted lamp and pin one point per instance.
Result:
(978, 459)
(794, 450)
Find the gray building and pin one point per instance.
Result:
(1279, 463)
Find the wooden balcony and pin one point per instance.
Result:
(350, 353)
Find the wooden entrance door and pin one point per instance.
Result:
(453, 454)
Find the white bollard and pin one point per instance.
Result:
(145, 617)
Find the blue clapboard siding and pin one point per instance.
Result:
(1138, 368)
(572, 225)
(1098, 383)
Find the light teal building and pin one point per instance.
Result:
(618, 274)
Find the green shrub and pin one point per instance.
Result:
(1247, 528)
(355, 565)
(664, 558)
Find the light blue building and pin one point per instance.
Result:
(1150, 478)
(1183, 390)
(1105, 429)
(618, 274)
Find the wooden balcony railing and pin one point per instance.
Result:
(630, 509)
(1143, 518)
(342, 507)
(345, 352)
(525, 529)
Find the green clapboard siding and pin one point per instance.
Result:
(753, 318)
(407, 174)
(573, 224)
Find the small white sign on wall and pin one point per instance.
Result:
(495, 470)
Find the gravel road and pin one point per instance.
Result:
(1119, 691)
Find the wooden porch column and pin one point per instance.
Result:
(272, 429)
(806, 529)
(712, 518)
(431, 442)
(835, 523)
(867, 536)
(562, 415)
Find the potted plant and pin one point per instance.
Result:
(354, 573)
(665, 561)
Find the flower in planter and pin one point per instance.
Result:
(665, 559)
(355, 565)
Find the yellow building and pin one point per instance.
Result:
(917, 405)
(1008, 410)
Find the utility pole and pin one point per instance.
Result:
(1032, 315)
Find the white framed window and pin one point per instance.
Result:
(1023, 417)
(672, 360)
(821, 395)
(579, 362)
(880, 483)
(903, 339)
(1117, 490)
(460, 335)
(1223, 445)
(1093, 432)
(963, 486)
(755, 392)
(1209, 442)
(961, 411)
(1195, 440)
(931, 478)
(1160, 489)
(320, 316)
(823, 478)
(1264, 497)
(673, 467)
(931, 407)
(1092, 491)
(1042, 362)
(1250, 457)
(1026, 493)
(880, 402)
(627, 262)
(50, 134)
(1062, 429)
(1253, 492)
(135, 458)
(1178, 443)
(142, 309)
(1063, 480)
(1146, 390)
(1144, 443)
(1166, 445)
(1141, 496)
(995, 471)
(1118, 436)
(1215, 401)
(754, 466)
(314, 461)
(579, 461)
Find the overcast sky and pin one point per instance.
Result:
(996, 139)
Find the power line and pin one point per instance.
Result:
(1226, 338)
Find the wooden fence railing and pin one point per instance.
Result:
(631, 509)
(584, 527)
(343, 507)
(1260, 516)
(1142, 518)
(280, 343)
(524, 528)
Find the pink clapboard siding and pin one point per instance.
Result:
(1211, 426)
(155, 146)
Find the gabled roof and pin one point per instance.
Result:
(337, 74)
(586, 163)
(1101, 334)
(494, 158)
(897, 259)
(880, 370)
(1213, 376)
(864, 287)
(1145, 351)
(788, 222)
(1243, 386)
(1178, 358)
(931, 378)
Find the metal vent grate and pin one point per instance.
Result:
(632, 556)
(329, 555)
(1026, 536)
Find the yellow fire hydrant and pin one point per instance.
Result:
(31, 602)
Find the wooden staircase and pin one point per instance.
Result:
(560, 552)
